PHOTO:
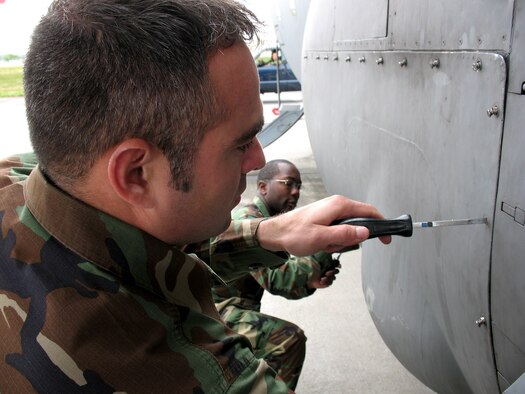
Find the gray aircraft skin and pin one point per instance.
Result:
(418, 106)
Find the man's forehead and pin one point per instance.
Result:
(251, 133)
(229, 66)
(287, 171)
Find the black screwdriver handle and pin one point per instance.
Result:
(401, 225)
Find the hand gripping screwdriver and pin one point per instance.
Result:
(403, 224)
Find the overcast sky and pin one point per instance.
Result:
(19, 17)
(17, 21)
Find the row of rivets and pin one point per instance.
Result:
(434, 63)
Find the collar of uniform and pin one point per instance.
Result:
(261, 206)
(115, 246)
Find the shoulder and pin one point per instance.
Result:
(247, 211)
(16, 168)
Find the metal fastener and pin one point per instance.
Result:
(477, 65)
(403, 62)
(493, 111)
(325, 57)
(362, 59)
(379, 61)
(481, 321)
(317, 57)
(335, 58)
(434, 63)
(348, 59)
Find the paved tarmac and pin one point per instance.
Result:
(345, 354)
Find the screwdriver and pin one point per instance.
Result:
(403, 224)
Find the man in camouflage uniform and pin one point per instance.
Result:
(143, 115)
(281, 343)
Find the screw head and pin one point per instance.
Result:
(481, 321)
(477, 65)
(493, 111)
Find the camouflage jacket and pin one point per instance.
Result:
(91, 304)
(288, 280)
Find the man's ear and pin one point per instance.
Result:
(262, 187)
(128, 171)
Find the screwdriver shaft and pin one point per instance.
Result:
(457, 222)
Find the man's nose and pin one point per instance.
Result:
(295, 191)
(254, 158)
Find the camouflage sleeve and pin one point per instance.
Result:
(236, 251)
(16, 168)
(290, 280)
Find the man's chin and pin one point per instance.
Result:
(286, 209)
(290, 206)
(218, 230)
(236, 201)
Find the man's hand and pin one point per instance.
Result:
(307, 230)
(323, 280)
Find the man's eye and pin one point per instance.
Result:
(246, 146)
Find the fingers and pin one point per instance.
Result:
(328, 278)
(307, 230)
(337, 238)
(349, 208)
(386, 239)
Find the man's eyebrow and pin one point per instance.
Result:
(250, 134)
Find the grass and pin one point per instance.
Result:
(11, 82)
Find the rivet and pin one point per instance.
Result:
(434, 63)
(379, 61)
(477, 65)
(325, 57)
(362, 59)
(317, 57)
(335, 58)
(481, 321)
(493, 111)
(348, 59)
(403, 62)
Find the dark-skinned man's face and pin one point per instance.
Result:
(281, 193)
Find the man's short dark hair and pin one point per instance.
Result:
(271, 169)
(101, 71)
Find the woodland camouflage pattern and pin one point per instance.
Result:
(91, 304)
(279, 342)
